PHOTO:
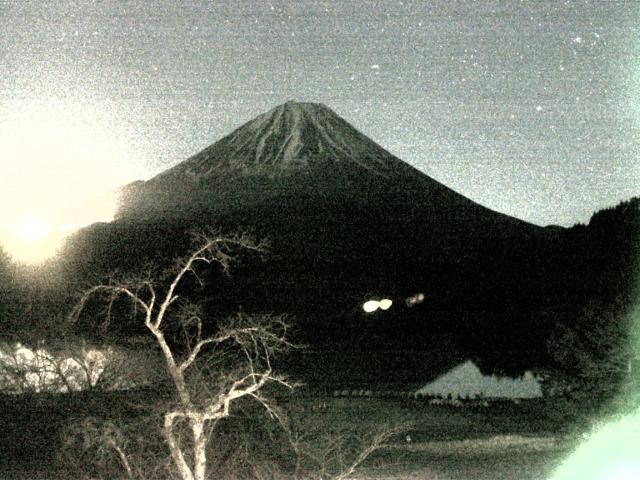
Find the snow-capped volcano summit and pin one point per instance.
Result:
(290, 137)
(295, 151)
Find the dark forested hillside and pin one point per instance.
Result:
(496, 299)
(592, 342)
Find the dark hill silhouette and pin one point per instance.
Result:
(348, 221)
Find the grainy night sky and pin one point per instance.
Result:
(530, 108)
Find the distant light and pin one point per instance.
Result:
(385, 303)
(415, 299)
(371, 306)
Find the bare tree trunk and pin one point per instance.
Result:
(177, 375)
(199, 448)
(176, 453)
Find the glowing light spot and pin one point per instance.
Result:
(371, 306)
(415, 299)
(611, 453)
(32, 229)
(385, 304)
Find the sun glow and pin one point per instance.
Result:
(60, 167)
(32, 229)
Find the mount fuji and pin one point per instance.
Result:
(300, 150)
(348, 222)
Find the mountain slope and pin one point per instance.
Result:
(295, 150)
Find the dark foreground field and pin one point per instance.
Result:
(499, 457)
(502, 441)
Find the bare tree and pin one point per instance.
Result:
(337, 455)
(71, 365)
(200, 405)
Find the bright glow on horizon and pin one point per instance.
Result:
(60, 167)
